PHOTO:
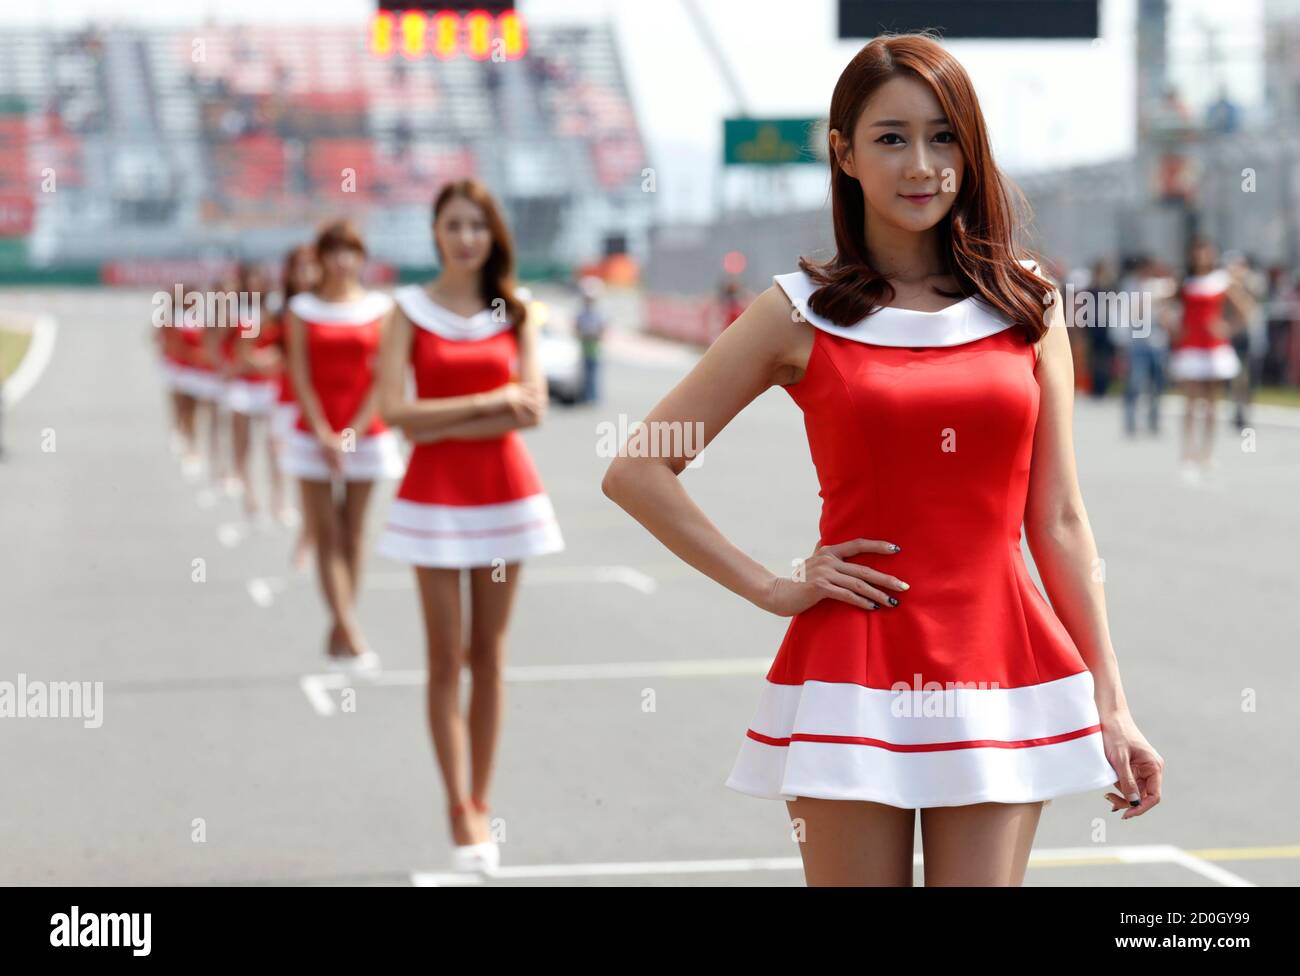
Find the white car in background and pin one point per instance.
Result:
(560, 353)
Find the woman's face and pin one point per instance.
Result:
(341, 263)
(462, 234)
(1204, 258)
(904, 154)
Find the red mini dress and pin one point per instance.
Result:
(1199, 354)
(970, 690)
(249, 392)
(284, 414)
(342, 348)
(191, 370)
(468, 502)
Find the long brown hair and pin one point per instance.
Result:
(290, 283)
(981, 254)
(497, 276)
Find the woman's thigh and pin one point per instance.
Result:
(853, 842)
(978, 843)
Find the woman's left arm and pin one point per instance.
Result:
(369, 408)
(1065, 552)
(497, 425)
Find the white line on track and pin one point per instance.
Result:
(317, 687)
(38, 355)
(1039, 858)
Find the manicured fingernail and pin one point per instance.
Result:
(894, 548)
(1133, 803)
(903, 586)
(873, 606)
(893, 602)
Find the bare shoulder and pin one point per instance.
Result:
(786, 337)
(1053, 346)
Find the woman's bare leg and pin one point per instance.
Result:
(241, 443)
(492, 594)
(1210, 394)
(351, 515)
(985, 844)
(440, 603)
(273, 469)
(853, 842)
(186, 410)
(318, 506)
(215, 457)
(1190, 398)
(356, 498)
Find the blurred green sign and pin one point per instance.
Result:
(773, 142)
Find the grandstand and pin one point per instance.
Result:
(236, 140)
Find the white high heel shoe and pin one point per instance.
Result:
(482, 858)
(365, 661)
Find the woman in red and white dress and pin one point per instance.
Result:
(301, 273)
(334, 337)
(471, 499)
(181, 404)
(251, 390)
(1202, 357)
(921, 669)
(197, 382)
(219, 337)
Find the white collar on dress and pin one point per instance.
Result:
(1208, 284)
(433, 317)
(965, 321)
(363, 311)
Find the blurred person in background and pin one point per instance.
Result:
(471, 502)
(1101, 350)
(251, 391)
(197, 383)
(1077, 282)
(220, 335)
(1283, 312)
(1202, 357)
(161, 334)
(591, 324)
(731, 301)
(1248, 329)
(1142, 336)
(301, 273)
(339, 441)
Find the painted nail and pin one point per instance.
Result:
(903, 586)
(873, 606)
(894, 548)
(893, 602)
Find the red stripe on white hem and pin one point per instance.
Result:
(468, 534)
(854, 740)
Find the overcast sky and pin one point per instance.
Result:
(1048, 104)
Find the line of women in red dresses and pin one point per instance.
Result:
(334, 373)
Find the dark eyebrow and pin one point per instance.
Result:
(941, 120)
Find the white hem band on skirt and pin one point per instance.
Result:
(252, 397)
(284, 418)
(202, 384)
(375, 458)
(460, 536)
(914, 749)
(1214, 363)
